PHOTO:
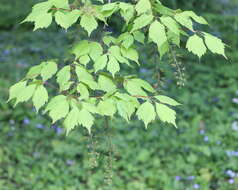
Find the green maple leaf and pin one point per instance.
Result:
(113, 66)
(63, 4)
(184, 19)
(96, 50)
(43, 21)
(106, 84)
(142, 21)
(214, 44)
(81, 48)
(146, 113)
(130, 53)
(71, 120)
(125, 109)
(16, 89)
(107, 107)
(127, 11)
(26, 93)
(143, 6)
(100, 63)
(38, 9)
(166, 114)
(89, 23)
(83, 90)
(35, 71)
(171, 24)
(58, 108)
(40, 97)
(86, 119)
(67, 19)
(139, 36)
(63, 77)
(48, 70)
(195, 17)
(134, 88)
(196, 45)
(167, 100)
(157, 33)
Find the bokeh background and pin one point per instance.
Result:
(201, 154)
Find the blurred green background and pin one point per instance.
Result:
(201, 154)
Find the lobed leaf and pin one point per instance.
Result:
(107, 107)
(106, 84)
(166, 114)
(215, 45)
(67, 19)
(15, 89)
(100, 63)
(141, 22)
(196, 45)
(113, 66)
(167, 100)
(89, 23)
(40, 97)
(58, 108)
(146, 113)
(48, 70)
(83, 90)
(63, 77)
(143, 6)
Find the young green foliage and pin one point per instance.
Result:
(103, 90)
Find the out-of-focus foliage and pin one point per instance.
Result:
(202, 6)
(13, 12)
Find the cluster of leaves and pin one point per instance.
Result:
(92, 83)
(185, 154)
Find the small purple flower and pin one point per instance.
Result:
(143, 70)
(230, 173)
(235, 100)
(206, 138)
(218, 142)
(196, 186)
(235, 153)
(10, 134)
(177, 178)
(231, 153)
(215, 99)
(202, 131)
(6, 52)
(40, 126)
(26, 121)
(231, 181)
(70, 162)
(57, 129)
(190, 178)
(169, 81)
